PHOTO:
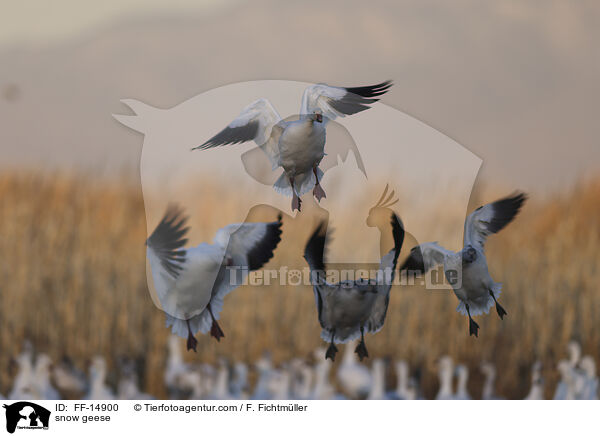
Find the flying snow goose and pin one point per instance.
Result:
(354, 377)
(348, 308)
(297, 146)
(467, 270)
(181, 274)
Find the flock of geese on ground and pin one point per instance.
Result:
(297, 379)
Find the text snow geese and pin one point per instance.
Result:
(297, 146)
(349, 308)
(192, 282)
(467, 269)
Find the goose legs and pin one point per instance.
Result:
(499, 309)
(215, 329)
(361, 348)
(191, 340)
(318, 191)
(332, 350)
(296, 201)
(473, 326)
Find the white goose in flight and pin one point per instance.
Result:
(467, 270)
(349, 308)
(191, 283)
(297, 146)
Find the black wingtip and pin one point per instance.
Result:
(414, 262)
(398, 234)
(314, 250)
(371, 90)
(505, 210)
(262, 252)
(168, 239)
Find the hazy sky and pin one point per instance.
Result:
(39, 21)
(515, 82)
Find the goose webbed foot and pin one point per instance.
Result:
(473, 326)
(499, 309)
(191, 343)
(296, 202)
(318, 192)
(361, 350)
(331, 352)
(216, 332)
(191, 340)
(215, 328)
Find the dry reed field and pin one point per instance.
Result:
(73, 281)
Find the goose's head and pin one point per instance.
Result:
(98, 367)
(445, 366)
(263, 364)
(316, 116)
(574, 350)
(461, 371)
(588, 366)
(469, 254)
(536, 373)
(564, 368)
(488, 369)
(43, 364)
(379, 215)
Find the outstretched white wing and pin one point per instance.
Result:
(247, 247)
(491, 218)
(183, 277)
(249, 244)
(334, 101)
(257, 122)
